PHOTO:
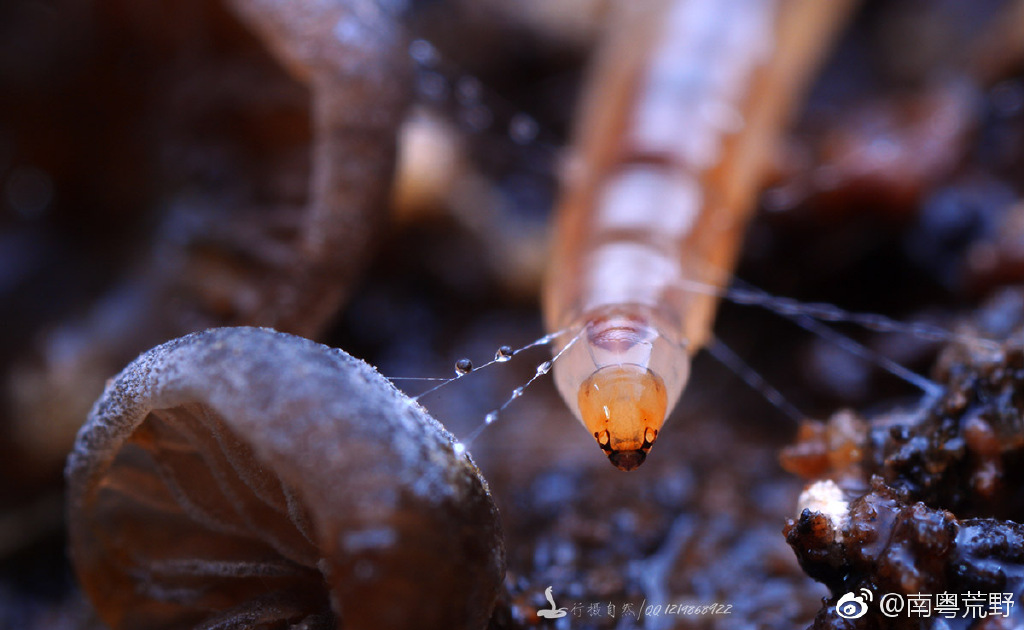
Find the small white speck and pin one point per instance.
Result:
(826, 497)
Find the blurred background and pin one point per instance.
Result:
(155, 164)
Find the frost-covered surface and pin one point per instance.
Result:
(235, 465)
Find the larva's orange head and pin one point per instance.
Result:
(623, 406)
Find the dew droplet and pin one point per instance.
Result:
(348, 31)
(468, 90)
(544, 368)
(432, 86)
(29, 191)
(517, 392)
(491, 418)
(477, 118)
(503, 354)
(423, 52)
(459, 448)
(463, 366)
(522, 129)
(1008, 98)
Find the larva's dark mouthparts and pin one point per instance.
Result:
(627, 460)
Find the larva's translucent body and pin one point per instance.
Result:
(685, 105)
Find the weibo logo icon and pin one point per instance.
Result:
(551, 613)
(852, 606)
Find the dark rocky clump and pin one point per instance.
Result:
(933, 495)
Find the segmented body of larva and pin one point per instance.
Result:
(687, 101)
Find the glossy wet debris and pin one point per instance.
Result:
(922, 502)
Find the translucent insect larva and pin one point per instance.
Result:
(667, 163)
(622, 378)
